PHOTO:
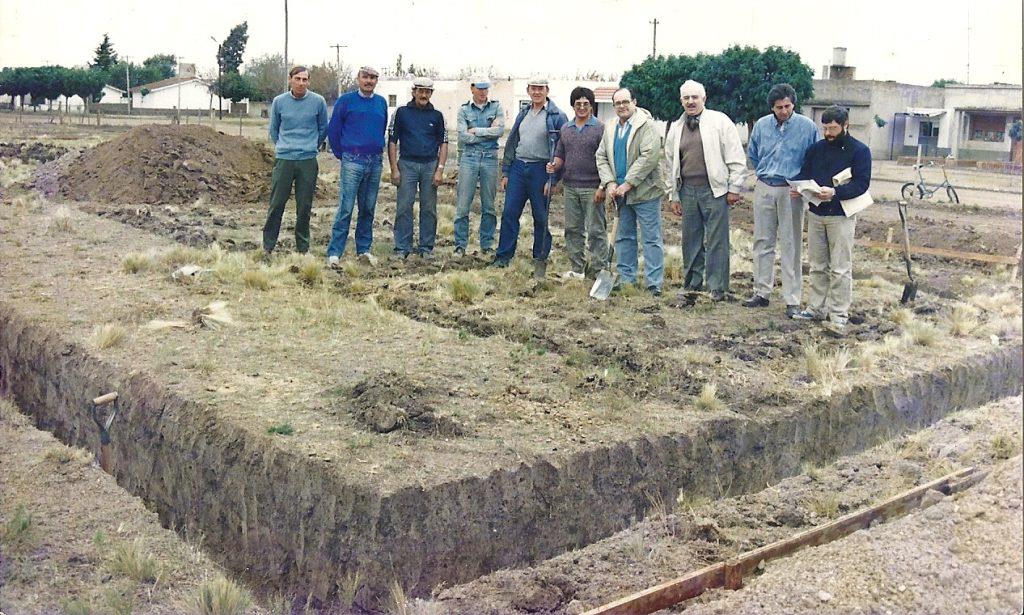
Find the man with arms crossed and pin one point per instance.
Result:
(356, 134)
(298, 127)
(829, 230)
(480, 123)
(584, 194)
(707, 168)
(776, 150)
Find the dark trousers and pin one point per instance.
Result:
(303, 174)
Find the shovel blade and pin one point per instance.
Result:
(909, 292)
(602, 288)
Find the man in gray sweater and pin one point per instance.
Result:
(298, 127)
(584, 195)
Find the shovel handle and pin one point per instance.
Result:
(103, 400)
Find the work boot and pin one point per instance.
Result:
(540, 268)
(500, 263)
(755, 302)
(792, 311)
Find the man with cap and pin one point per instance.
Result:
(356, 135)
(298, 127)
(480, 123)
(419, 127)
(530, 146)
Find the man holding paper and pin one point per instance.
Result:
(841, 167)
(776, 150)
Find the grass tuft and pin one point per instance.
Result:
(465, 288)
(282, 429)
(962, 320)
(825, 505)
(257, 279)
(136, 263)
(920, 333)
(61, 221)
(348, 588)
(398, 601)
(827, 370)
(109, 335)
(1004, 447)
(221, 596)
(132, 560)
(18, 525)
(708, 399)
(311, 273)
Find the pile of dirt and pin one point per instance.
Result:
(388, 401)
(31, 152)
(171, 165)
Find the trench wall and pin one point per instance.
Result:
(282, 520)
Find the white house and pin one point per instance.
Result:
(169, 94)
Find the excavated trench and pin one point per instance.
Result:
(284, 520)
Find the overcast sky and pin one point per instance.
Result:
(911, 42)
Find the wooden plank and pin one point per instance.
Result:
(998, 259)
(731, 574)
(662, 596)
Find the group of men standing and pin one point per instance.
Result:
(699, 164)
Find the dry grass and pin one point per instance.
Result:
(257, 279)
(902, 316)
(827, 370)
(131, 560)
(18, 526)
(63, 455)
(61, 221)
(136, 263)
(962, 320)
(221, 596)
(1004, 447)
(1006, 304)
(673, 264)
(311, 273)
(109, 335)
(825, 505)
(1000, 327)
(465, 287)
(708, 399)
(348, 588)
(398, 601)
(920, 333)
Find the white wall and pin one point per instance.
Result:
(194, 95)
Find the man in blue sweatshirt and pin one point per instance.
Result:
(419, 128)
(298, 126)
(356, 135)
(829, 229)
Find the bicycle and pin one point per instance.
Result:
(923, 190)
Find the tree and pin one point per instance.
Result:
(104, 57)
(266, 74)
(229, 56)
(86, 84)
(234, 87)
(737, 81)
(160, 66)
(324, 80)
(941, 83)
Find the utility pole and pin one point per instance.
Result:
(337, 67)
(654, 42)
(286, 67)
(220, 84)
(968, 44)
(128, 82)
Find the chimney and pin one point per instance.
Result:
(839, 69)
(186, 70)
(839, 56)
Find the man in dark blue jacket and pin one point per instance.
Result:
(529, 148)
(829, 228)
(419, 128)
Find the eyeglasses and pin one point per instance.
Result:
(582, 105)
(621, 103)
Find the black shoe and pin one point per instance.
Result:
(755, 302)
(500, 263)
(792, 310)
(718, 295)
(654, 290)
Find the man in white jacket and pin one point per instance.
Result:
(706, 170)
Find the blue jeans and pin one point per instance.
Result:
(525, 181)
(416, 175)
(476, 167)
(648, 214)
(359, 179)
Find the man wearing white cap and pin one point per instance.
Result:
(419, 128)
(480, 122)
(356, 135)
(530, 146)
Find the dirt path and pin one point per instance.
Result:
(963, 540)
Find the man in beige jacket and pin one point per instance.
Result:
(706, 169)
(629, 163)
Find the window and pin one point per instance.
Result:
(392, 100)
(987, 128)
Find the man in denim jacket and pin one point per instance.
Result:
(480, 123)
(529, 148)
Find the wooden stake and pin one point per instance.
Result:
(888, 239)
(1016, 266)
(997, 259)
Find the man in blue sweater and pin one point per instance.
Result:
(829, 229)
(356, 135)
(298, 126)
(419, 128)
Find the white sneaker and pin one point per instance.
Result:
(333, 262)
(572, 275)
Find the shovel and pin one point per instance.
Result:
(910, 287)
(106, 458)
(602, 288)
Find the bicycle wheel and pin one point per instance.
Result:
(910, 191)
(951, 193)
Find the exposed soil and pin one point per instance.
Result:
(31, 152)
(171, 165)
(951, 559)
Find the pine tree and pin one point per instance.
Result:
(105, 55)
(230, 55)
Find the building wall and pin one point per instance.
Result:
(980, 107)
(194, 95)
